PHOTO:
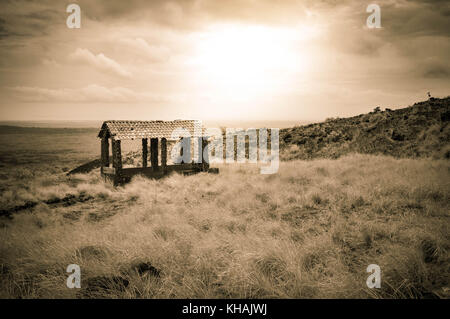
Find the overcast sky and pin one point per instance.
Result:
(213, 60)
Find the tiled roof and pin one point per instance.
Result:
(127, 130)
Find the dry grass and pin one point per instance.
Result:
(309, 231)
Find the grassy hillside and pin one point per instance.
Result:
(310, 230)
(420, 130)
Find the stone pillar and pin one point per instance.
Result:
(164, 154)
(154, 153)
(117, 155)
(199, 151)
(105, 151)
(117, 161)
(144, 152)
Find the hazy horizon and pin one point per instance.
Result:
(97, 123)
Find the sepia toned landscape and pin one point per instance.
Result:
(309, 231)
(215, 150)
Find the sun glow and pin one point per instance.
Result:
(244, 61)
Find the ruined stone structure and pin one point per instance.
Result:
(159, 133)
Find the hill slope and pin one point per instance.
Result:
(420, 130)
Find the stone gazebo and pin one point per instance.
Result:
(158, 132)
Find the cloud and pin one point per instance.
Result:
(432, 68)
(416, 18)
(90, 94)
(140, 47)
(149, 44)
(99, 62)
(50, 63)
(26, 19)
